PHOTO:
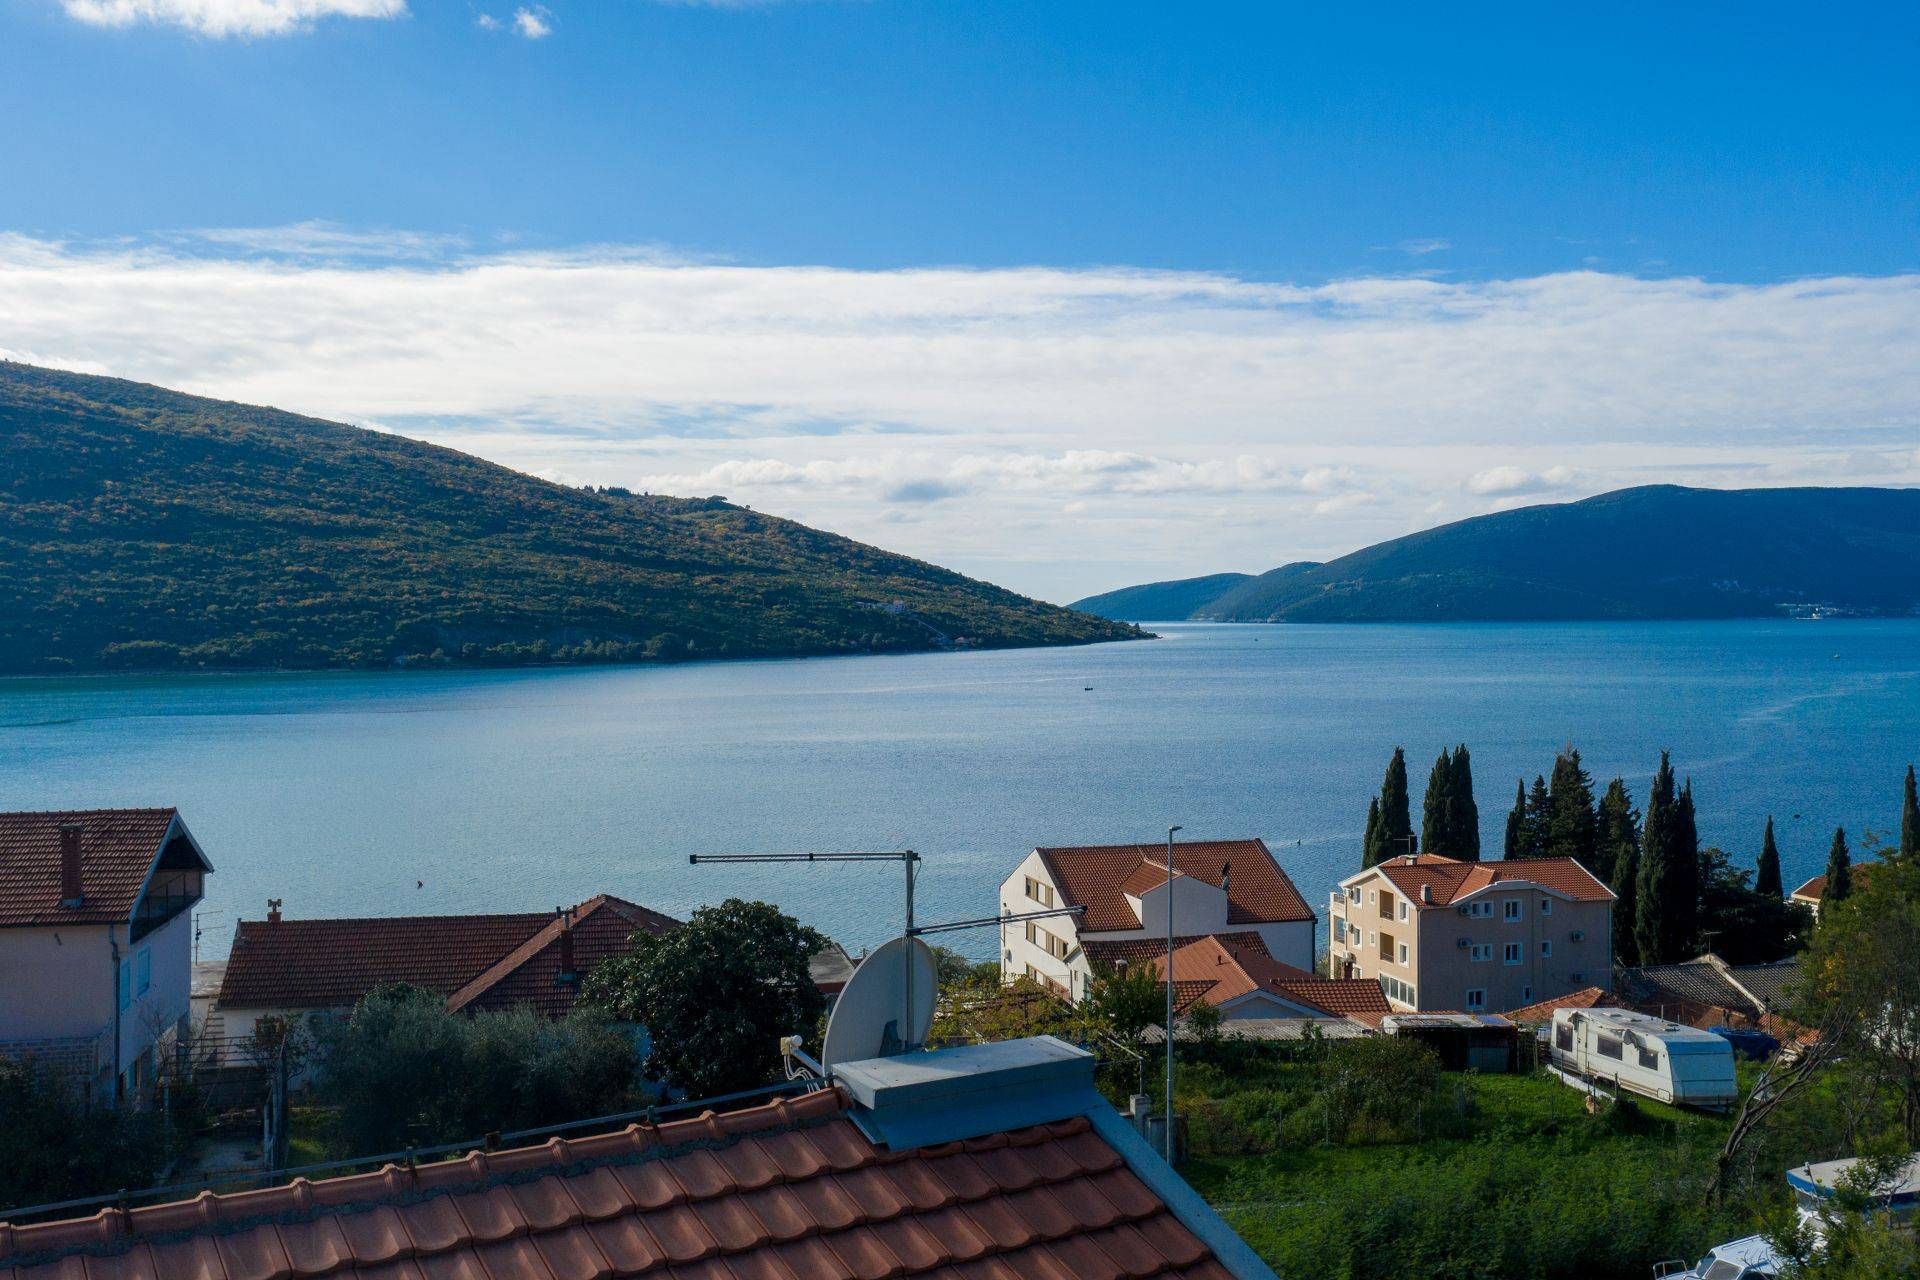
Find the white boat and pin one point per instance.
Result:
(1646, 1055)
(1736, 1260)
(1814, 1184)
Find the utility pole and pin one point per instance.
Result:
(1169, 1134)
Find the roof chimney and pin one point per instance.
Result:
(568, 973)
(273, 910)
(71, 892)
(1426, 893)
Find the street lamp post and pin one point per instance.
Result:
(1169, 1134)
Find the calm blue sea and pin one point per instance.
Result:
(523, 790)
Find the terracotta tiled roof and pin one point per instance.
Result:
(117, 850)
(530, 973)
(1111, 952)
(330, 964)
(1208, 969)
(788, 1191)
(1098, 876)
(1541, 1011)
(1450, 879)
(1816, 889)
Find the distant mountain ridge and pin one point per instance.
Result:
(144, 529)
(1654, 552)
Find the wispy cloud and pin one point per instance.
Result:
(220, 18)
(1421, 247)
(534, 24)
(1198, 420)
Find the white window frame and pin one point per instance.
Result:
(1513, 911)
(1403, 953)
(1546, 948)
(1546, 906)
(143, 973)
(1482, 909)
(1526, 994)
(1513, 954)
(1476, 998)
(1353, 894)
(1480, 953)
(1405, 909)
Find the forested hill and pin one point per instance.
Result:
(1661, 551)
(145, 529)
(1162, 601)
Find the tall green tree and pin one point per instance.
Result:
(1533, 841)
(1570, 825)
(1665, 894)
(716, 994)
(1839, 870)
(1626, 896)
(1465, 841)
(1686, 885)
(1766, 878)
(1395, 815)
(1746, 925)
(1909, 820)
(1436, 810)
(1373, 846)
(1516, 841)
(1616, 831)
(1866, 957)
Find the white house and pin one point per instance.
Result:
(96, 941)
(1231, 889)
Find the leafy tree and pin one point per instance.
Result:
(1866, 957)
(1516, 841)
(1436, 812)
(1748, 927)
(1766, 879)
(717, 994)
(1665, 895)
(1465, 839)
(1373, 846)
(1910, 819)
(1839, 870)
(1616, 831)
(53, 1146)
(402, 1071)
(1395, 817)
(1570, 824)
(1128, 1000)
(1203, 1020)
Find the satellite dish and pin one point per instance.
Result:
(886, 1006)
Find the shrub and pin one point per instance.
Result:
(55, 1147)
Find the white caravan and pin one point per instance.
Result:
(1647, 1055)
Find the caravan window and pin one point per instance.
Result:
(1563, 1037)
(1609, 1045)
(1649, 1058)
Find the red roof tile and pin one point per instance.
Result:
(790, 1190)
(1118, 951)
(1815, 889)
(1208, 969)
(1451, 879)
(1541, 1011)
(118, 848)
(530, 973)
(1099, 877)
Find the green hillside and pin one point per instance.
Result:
(1660, 551)
(1162, 601)
(145, 529)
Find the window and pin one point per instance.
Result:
(1512, 955)
(1476, 998)
(126, 986)
(1526, 995)
(1339, 929)
(1649, 1059)
(1510, 909)
(1040, 893)
(1369, 937)
(143, 973)
(1546, 946)
(1405, 910)
(1033, 933)
(1608, 1045)
(1546, 906)
(1353, 895)
(1386, 946)
(1480, 951)
(1563, 1037)
(1403, 953)
(1396, 990)
(1480, 910)
(1386, 906)
(1373, 895)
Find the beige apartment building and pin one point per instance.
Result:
(1482, 937)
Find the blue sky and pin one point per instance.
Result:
(1583, 185)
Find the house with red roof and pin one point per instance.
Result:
(1243, 981)
(96, 941)
(1216, 888)
(285, 969)
(982, 1162)
(1812, 892)
(1439, 933)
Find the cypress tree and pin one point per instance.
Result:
(1570, 824)
(1684, 906)
(1839, 871)
(1909, 819)
(1517, 822)
(1465, 841)
(1617, 831)
(1653, 930)
(1626, 888)
(1436, 811)
(1766, 876)
(1539, 814)
(1373, 847)
(1394, 815)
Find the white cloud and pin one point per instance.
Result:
(1198, 418)
(1422, 246)
(487, 22)
(535, 23)
(228, 17)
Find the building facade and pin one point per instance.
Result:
(1232, 889)
(1477, 937)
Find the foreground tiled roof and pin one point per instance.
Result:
(1097, 876)
(788, 1191)
(530, 973)
(117, 850)
(1450, 879)
(1541, 1011)
(1109, 952)
(1210, 970)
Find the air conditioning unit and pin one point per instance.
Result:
(1462, 908)
(1464, 943)
(1579, 935)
